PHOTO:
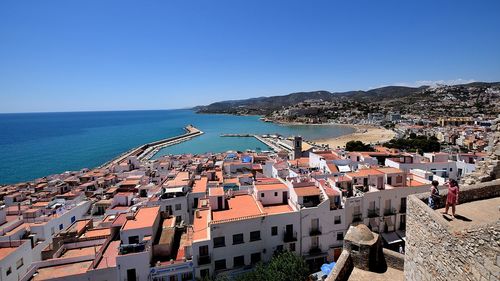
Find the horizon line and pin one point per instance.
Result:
(99, 110)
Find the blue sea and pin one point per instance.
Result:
(34, 145)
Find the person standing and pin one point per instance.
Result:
(434, 197)
(452, 198)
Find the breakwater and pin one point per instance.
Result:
(147, 151)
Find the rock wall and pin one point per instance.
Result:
(434, 251)
(342, 269)
(490, 168)
(394, 259)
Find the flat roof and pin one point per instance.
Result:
(272, 186)
(4, 252)
(278, 209)
(200, 225)
(390, 170)
(109, 256)
(365, 173)
(97, 232)
(216, 191)
(181, 179)
(145, 217)
(200, 185)
(474, 213)
(59, 271)
(239, 207)
(79, 252)
(307, 191)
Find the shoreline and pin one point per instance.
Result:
(368, 134)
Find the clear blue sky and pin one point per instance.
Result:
(117, 55)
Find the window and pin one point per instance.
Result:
(337, 220)
(340, 236)
(279, 248)
(133, 239)
(9, 271)
(205, 273)
(451, 169)
(61, 226)
(275, 194)
(238, 261)
(203, 250)
(219, 242)
(73, 219)
(19, 263)
(238, 239)
(399, 179)
(255, 258)
(254, 236)
(220, 264)
(178, 207)
(274, 230)
(292, 247)
(262, 194)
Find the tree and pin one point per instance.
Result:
(285, 266)
(420, 143)
(358, 146)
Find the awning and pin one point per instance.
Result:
(174, 190)
(344, 168)
(391, 238)
(401, 234)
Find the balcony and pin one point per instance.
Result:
(204, 260)
(373, 213)
(132, 248)
(389, 212)
(314, 231)
(289, 236)
(357, 218)
(315, 250)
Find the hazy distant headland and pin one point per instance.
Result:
(391, 98)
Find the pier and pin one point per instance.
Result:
(147, 151)
(271, 144)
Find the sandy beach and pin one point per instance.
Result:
(365, 133)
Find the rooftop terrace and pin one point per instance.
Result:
(474, 213)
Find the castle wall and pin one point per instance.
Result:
(435, 251)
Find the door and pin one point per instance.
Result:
(380, 182)
(131, 275)
(219, 202)
(387, 206)
(314, 242)
(289, 229)
(365, 181)
(285, 197)
(389, 180)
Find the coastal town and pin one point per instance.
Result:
(213, 215)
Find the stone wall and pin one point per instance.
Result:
(394, 259)
(435, 251)
(342, 269)
(467, 193)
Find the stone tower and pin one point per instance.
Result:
(297, 147)
(365, 248)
